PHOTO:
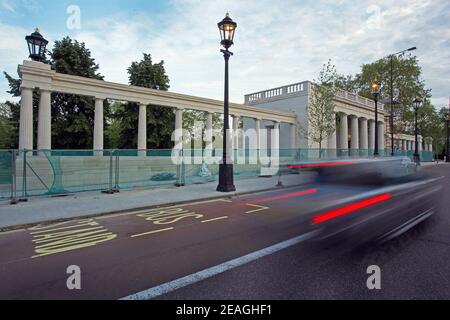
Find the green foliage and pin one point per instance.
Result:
(72, 116)
(160, 120)
(6, 127)
(190, 117)
(321, 117)
(408, 82)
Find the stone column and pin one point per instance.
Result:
(275, 152)
(363, 135)
(236, 120)
(403, 144)
(26, 119)
(371, 134)
(343, 132)
(355, 132)
(209, 131)
(258, 140)
(332, 143)
(142, 131)
(381, 138)
(98, 125)
(45, 121)
(293, 136)
(420, 144)
(179, 128)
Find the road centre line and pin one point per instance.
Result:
(218, 269)
(151, 232)
(215, 219)
(260, 208)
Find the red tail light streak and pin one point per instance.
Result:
(286, 196)
(333, 214)
(318, 165)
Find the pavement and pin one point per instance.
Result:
(46, 209)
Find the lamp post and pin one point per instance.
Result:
(376, 90)
(391, 57)
(36, 46)
(417, 103)
(226, 180)
(447, 118)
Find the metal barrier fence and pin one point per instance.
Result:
(25, 173)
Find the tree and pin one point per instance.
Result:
(321, 118)
(72, 116)
(160, 120)
(407, 81)
(7, 127)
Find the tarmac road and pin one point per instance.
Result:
(168, 248)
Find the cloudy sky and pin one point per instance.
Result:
(277, 42)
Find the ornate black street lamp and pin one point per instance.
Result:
(391, 57)
(376, 90)
(447, 144)
(36, 46)
(417, 103)
(226, 180)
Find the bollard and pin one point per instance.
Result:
(14, 199)
(280, 183)
(24, 178)
(110, 190)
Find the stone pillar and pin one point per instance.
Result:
(179, 128)
(258, 133)
(420, 144)
(98, 125)
(236, 120)
(209, 131)
(142, 131)
(363, 135)
(275, 152)
(403, 145)
(45, 121)
(343, 132)
(258, 140)
(355, 132)
(371, 134)
(381, 138)
(26, 119)
(293, 136)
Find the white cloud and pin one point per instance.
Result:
(8, 6)
(277, 42)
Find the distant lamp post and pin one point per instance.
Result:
(391, 57)
(226, 180)
(36, 46)
(375, 88)
(417, 103)
(447, 144)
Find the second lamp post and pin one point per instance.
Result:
(376, 90)
(226, 180)
(417, 103)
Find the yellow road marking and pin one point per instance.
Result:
(260, 208)
(11, 232)
(216, 219)
(160, 208)
(151, 232)
(68, 236)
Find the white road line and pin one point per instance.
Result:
(210, 272)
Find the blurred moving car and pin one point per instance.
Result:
(379, 199)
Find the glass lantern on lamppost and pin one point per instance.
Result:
(417, 103)
(36, 46)
(226, 179)
(375, 88)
